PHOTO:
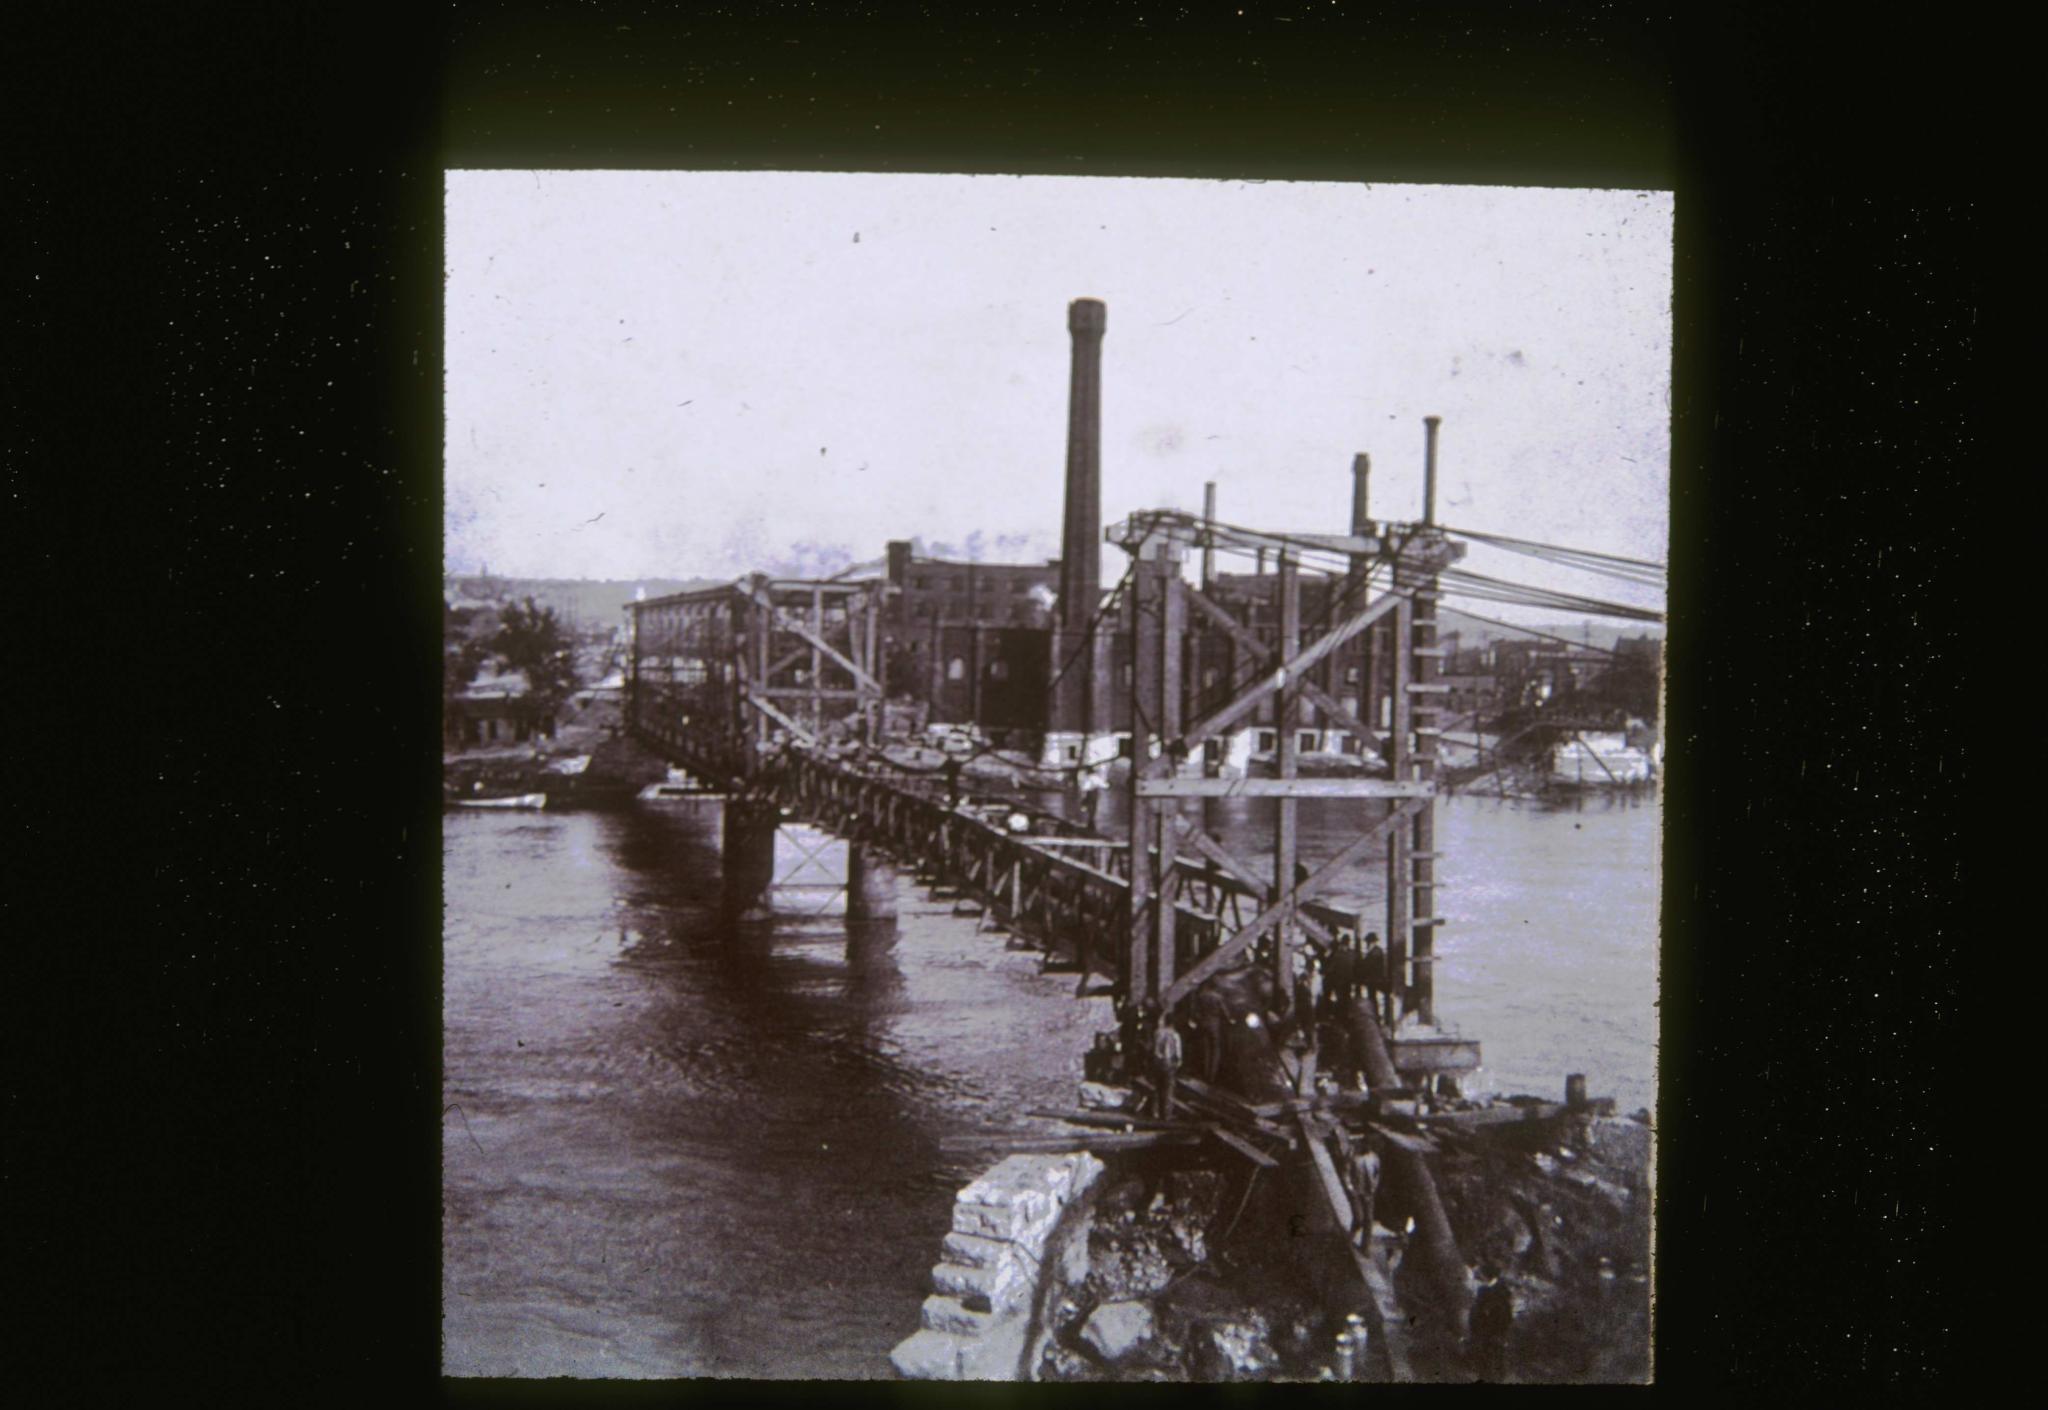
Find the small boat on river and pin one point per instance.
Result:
(517, 800)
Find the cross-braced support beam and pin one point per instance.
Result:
(1155, 972)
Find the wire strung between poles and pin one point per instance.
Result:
(1555, 551)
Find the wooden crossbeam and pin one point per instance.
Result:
(754, 699)
(1316, 695)
(1494, 1116)
(1282, 788)
(1243, 1147)
(784, 622)
(1290, 672)
(1334, 1193)
(1230, 1107)
(793, 658)
(1180, 527)
(1389, 1327)
(1315, 928)
(1230, 949)
(1210, 848)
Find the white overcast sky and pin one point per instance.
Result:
(680, 374)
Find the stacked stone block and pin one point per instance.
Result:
(1008, 1227)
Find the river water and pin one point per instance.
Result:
(677, 1146)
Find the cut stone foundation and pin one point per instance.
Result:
(1016, 1226)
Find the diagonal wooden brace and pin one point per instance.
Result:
(1230, 949)
(1315, 694)
(1316, 929)
(1289, 673)
(793, 658)
(785, 721)
(784, 622)
(1209, 847)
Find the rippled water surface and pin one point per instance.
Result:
(678, 1146)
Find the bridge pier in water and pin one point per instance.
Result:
(747, 844)
(870, 886)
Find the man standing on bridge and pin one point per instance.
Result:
(1492, 1318)
(1166, 1059)
(1358, 1171)
(1092, 786)
(1365, 1187)
(1372, 975)
(1342, 979)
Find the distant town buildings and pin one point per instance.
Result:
(1036, 658)
(496, 709)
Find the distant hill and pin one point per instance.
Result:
(1602, 633)
(583, 604)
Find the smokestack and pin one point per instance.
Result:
(1361, 488)
(1081, 538)
(1208, 526)
(1429, 425)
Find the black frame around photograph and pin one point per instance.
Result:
(223, 1152)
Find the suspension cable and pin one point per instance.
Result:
(1548, 549)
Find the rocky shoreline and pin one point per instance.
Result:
(1191, 1274)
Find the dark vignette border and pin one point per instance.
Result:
(228, 1127)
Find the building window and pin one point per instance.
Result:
(1305, 741)
(1351, 675)
(999, 670)
(920, 581)
(1208, 677)
(1124, 675)
(1266, 740)
(1348, 745)
(1073, 752)
(956, 669)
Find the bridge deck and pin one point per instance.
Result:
(1066, 891)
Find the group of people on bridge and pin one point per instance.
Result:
(1308, 1014)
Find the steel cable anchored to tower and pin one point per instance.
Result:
(1505, 541)
(1459, 582)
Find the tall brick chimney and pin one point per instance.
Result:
(1361, 494)
(1081, 536)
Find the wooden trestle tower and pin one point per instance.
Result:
(718, 672)
(1382, 613)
